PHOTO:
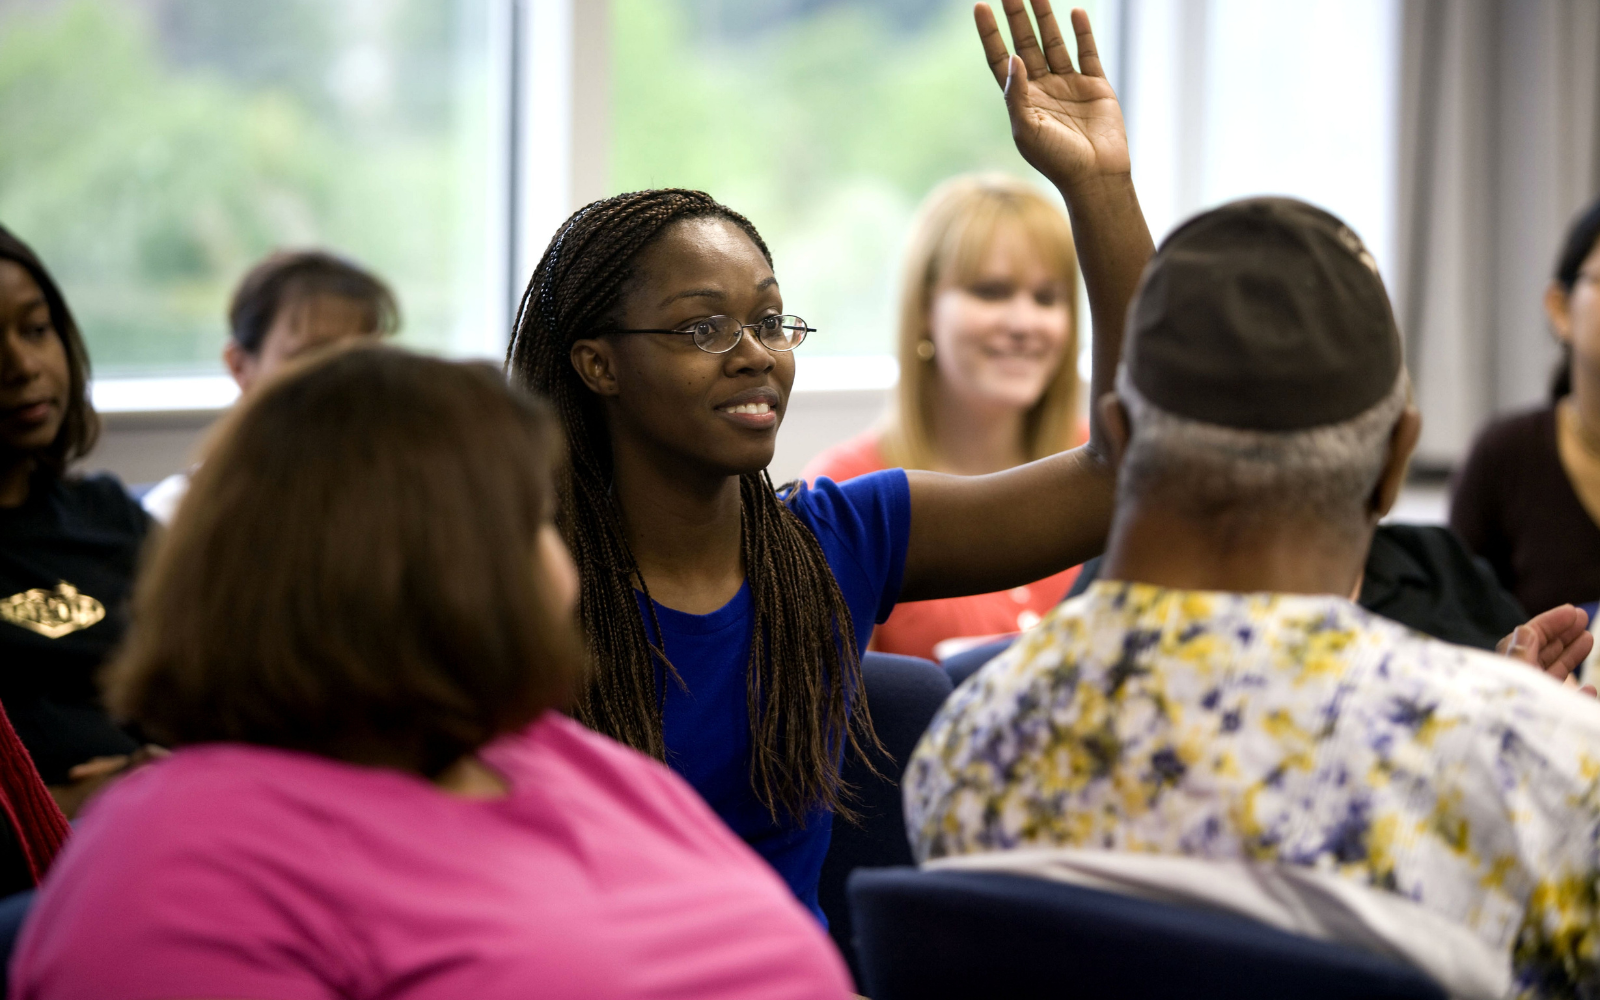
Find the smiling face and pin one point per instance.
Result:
(1000, 338)
(716, 413)
(35, 379)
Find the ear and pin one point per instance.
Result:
(1402, 442)
(595, 362)
(242, 365)
(1555, 306)
(1114, 416)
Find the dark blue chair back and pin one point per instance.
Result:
(968, 662)
(928, 935)
(903, 692)
(13, 910)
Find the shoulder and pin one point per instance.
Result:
(864, 516)
(848, 459)
(204, 873)
(1512, 461)
(195, 824)
(1511, 435)
(199, 794)
(886, 491)
(554, 743)
(101, 501)
(561, 759)
(1482, 693)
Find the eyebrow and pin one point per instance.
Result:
(715, 293)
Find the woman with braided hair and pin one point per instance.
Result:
(726, 620)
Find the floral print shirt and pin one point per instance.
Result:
(1286, 728)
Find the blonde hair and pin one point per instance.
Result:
(951, 236)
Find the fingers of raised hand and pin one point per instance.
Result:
(1055, 49)
(1022, 38)
(1088, 54)
(994, 44)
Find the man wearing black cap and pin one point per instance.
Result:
(1217, 700)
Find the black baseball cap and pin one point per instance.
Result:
(1264, 314)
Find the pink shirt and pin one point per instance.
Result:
(250, 873)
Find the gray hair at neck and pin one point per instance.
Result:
(1237, 480)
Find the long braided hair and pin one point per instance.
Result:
(804, 678)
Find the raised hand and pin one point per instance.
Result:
(1066, 121)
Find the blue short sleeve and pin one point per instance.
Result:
(863, 525)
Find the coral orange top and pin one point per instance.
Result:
(944, 627)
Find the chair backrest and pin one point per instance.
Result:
(13, 911)
(969, 661)
(933, 934)
(903, 692)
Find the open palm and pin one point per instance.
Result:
(1066, 121)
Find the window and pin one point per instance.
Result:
(1230, 98)
(153, 150)
(823, 122)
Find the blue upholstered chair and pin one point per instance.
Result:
(925, 935)
(969, 661)
(13, 910)
(903, 692)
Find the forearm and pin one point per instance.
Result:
(974, 535)
(978, 534)
(1113, 245)
(985, 533)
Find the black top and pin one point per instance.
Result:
(1423, 577)
(1515, 506)
(67, 559)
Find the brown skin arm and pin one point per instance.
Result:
(972, 535)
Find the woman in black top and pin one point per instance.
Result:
(1528, 498)
(68, 544)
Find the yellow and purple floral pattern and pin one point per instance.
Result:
(1296, 729)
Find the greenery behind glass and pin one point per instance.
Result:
(151, 151)
(824, 121)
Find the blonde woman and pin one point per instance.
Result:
(988, 377)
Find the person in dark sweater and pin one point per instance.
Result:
(68, 544)
(1528, 497)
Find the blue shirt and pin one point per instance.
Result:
(862, 526)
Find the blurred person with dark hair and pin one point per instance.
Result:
(357, 640)
(1528, 497)
(290, 303)
(1214, 720)
(68, 543)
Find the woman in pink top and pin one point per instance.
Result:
(356, 635)
(988, 378)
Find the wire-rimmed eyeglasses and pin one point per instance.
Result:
(721, 334)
